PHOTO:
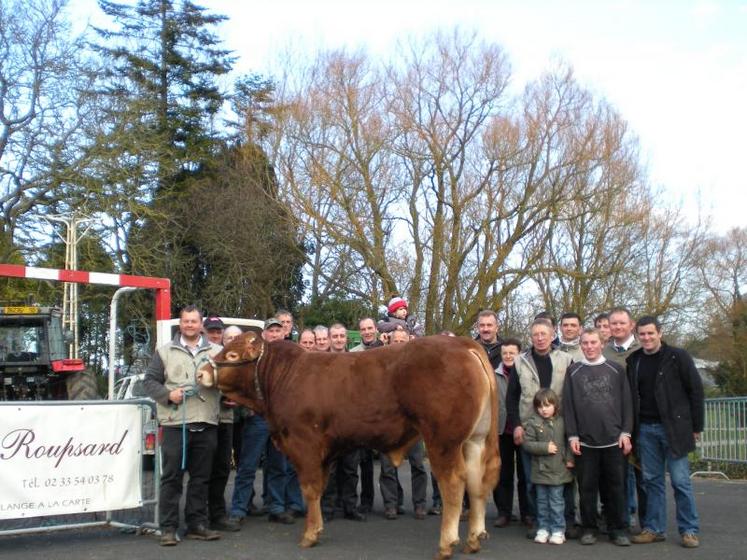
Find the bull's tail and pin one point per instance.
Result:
(491, 455)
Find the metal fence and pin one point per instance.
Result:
(724, 438)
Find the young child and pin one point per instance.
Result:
(397, 315)
(544, 439)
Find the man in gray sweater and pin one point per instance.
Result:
(599, 420)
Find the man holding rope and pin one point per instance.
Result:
(189, 417)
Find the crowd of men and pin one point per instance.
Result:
(633, 408)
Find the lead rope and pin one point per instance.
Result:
(189, 391)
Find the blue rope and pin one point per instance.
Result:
(189, 391)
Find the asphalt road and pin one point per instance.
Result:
(721, 505)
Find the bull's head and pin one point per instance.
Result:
(233, 370)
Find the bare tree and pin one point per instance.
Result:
(42, 93)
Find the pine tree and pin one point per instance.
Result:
(160, 95)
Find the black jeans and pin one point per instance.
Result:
(503, 495)
(221, 470)
(367, 478)
(601, 468)
(200, 450)
(342, 483)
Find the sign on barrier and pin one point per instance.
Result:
(69, 458)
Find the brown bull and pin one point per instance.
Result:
(320, 404)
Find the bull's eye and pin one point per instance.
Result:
(232, 356)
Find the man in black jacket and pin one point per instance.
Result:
(668, 397)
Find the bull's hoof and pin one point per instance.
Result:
(472, 546)
(306, 542)
(484, 536)
(448, 552)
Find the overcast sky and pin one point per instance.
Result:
(675, 69)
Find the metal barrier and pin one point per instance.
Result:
(35, 523)
(724, 438)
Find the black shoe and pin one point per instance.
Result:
(230, 524)
(502, 521)
(202, 533)
(420, 513)
(400, 510)
(364, 508)
(168, 537)
(531, 532)
(390, 514)
(355, 516)
(571, 532)
(284, 518)
(297, 513)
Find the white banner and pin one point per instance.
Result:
(69, 458)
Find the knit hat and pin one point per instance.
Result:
(396, 303)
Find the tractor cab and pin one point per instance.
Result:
(33, 354)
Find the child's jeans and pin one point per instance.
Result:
(550, 508)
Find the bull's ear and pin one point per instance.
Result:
(252, 346)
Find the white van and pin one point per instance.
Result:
(131, 387)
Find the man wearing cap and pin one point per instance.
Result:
(213, 327)
(219, 521)
(185, 411)
(256, 439)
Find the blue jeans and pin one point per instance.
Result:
(655, 459)
(283, 490)
(550, 508)
(531, 504)
(255, 436)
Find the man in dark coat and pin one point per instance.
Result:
(668, 397)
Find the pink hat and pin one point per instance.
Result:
(396, 303)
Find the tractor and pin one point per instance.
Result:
(33, 357)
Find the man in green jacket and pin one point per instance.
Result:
(188, 413)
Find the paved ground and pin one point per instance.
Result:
(721, 505)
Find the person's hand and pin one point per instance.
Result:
(575, 446)
(518, 435)
(552, 449)
(625, 444)
(570, 464)
(696, 435)
(176, 396)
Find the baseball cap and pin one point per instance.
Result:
(272, 322)
(213, 323)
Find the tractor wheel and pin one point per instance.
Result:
(81, 386)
